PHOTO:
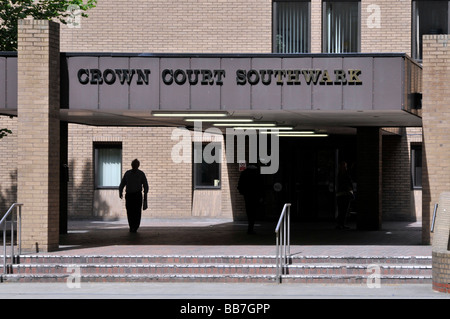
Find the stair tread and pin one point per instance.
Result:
(170, 275)
(231, 265)
(221, 255)
(215, 275)
(146, 265)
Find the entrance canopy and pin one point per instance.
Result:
(307, 90)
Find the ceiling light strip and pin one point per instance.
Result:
(303, 135)
(274, 131)
(268, 125)
(220, 120)
(189, 114)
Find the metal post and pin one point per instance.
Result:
(434, 217)
(12, 237)
(289, 230)
(284, 242)
(4, 248)
(277, 257)
(19, 229)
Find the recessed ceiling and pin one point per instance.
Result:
(340, 122)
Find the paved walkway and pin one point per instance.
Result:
(226, 291)
(224, 237)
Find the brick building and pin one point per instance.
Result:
(376, 126)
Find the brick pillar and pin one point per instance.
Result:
(441, 245)
(316, 26)
(38, 133)
(436, 129)
(369, 178)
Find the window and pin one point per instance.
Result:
(341, 26)
(416, 166)
(207, 159)
(108, 165)
(291, 23)
(429, 17)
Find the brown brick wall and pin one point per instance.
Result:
(174, 26)
(396, 178)
(170, 184)
(393, 33)
(400, 201)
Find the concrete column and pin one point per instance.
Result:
(38, 133)
(436, 129)
(369, 178)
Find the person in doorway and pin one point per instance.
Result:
(250, 185)
(134, 180)
(344, 195)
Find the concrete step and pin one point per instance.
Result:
(185, 269)
(147, 268)
(245, 259)
(92, 278)
(357, 279)
(358, 269)
(144, 259)
(302, 269)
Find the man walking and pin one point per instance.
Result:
(250, 185)
(134, 180)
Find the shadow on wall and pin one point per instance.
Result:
(84, 201)
(8, 196)
(107, 205)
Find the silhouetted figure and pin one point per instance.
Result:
(134, 180)
(250, 185)
(344, 195)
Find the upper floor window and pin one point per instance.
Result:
(291, 23)
(429, 17)
(341, 26)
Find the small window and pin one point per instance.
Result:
(108, 165)
(291, 26)
(429, 17)
(207, 169)
(341, 26)
(416, 166)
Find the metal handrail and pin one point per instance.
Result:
(19, 232)
(283, 240)
(434, 217)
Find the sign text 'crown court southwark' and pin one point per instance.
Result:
(216, 77)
